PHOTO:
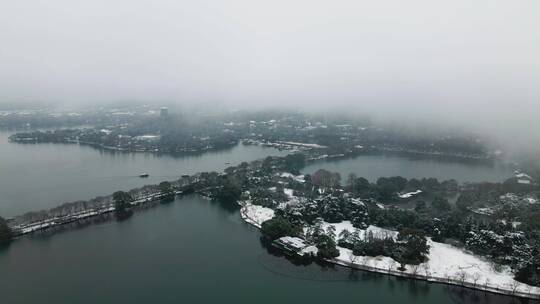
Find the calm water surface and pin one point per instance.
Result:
(190, 251)
(372, 167)
(41, 176)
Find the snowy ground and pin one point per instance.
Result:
(446, 263)
(255, 215)
(289, 193)
(291, 198)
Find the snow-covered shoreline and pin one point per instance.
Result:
(446, 264)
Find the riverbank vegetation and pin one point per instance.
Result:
(5, 232)
(122, 204)
(279, 227)
(167, 191)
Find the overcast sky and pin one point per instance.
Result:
(455, 60)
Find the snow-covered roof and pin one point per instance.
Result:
(292, 241)
(523, 176)
(147, 137)
(298, 178)
(310, 250)
(410, 194)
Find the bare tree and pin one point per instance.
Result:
(462, 275)
(425, 267)
(415, 269)
(496, 267)
(486, 284)
(351, 181)
(515, 285)
(363, 261)
(476, 277)
(447, 276)
(352, 258)
(391, 265)
(529, 288)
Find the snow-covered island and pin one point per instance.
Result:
(309, 201)
(445, 263)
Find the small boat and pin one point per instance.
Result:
(144, 175)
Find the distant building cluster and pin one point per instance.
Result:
(523, 178)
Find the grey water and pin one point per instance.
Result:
(190, 251)
(372, 167)
(41, 176)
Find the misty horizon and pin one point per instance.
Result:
(472, 65)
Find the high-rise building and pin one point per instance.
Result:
(163, 112)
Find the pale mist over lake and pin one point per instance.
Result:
(269, 151)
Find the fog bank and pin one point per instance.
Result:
(470, 63)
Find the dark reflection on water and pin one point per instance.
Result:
(4, 246)
(373, 166)
(193, 251)
(284, 265)
(464, 295)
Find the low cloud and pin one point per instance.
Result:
(469, 63)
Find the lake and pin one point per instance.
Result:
(41, 176)
(372, 167)
(189, 251)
